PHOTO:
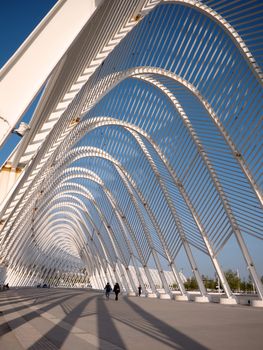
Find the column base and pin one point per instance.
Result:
(151, 295)
(132, 294)
(181, 298)
(164, 296)
(228, 301)
(257, 303)
(202, 299)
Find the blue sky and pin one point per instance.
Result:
(17, 20)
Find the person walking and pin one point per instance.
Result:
(140, 290)
(116, 290)
(108, 289)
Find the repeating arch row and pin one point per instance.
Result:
(157, 164)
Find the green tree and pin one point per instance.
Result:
(246, 286)
(210, 283)
(174, 286)
(191, 284)
(233, 280)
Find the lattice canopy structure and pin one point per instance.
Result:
(159, 153)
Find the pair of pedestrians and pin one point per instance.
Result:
(108, 289)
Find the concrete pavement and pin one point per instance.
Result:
(65, 319)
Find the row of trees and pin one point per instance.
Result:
(233, 279)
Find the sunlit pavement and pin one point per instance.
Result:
(83, 319)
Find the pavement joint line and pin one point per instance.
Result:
(25, 333)
(88, 337)
(92, 339)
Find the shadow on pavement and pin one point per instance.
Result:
(160, 331)
(53, 301)
(127, 314)
(58, 334)
(106, 327)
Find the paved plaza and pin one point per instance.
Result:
(83, 319)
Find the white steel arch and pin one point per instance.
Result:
(156, 153)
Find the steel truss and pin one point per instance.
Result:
(158, 153)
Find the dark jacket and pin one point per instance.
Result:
(116, 288)
(108, 288)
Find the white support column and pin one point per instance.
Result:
(123, 276)
(133, 292)
(138, 274)
(54, 34)
(101, 284)
(111, 274)
(8, 177)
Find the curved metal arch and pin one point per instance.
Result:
(122, 220)
(43, 219)
(235, 152)
(212, 255)
(53, 246)
(199, 6)
(71, 245)
(67, 185)
(15, 246)
(83, 208)
(110, 121)
(229, 29)
(45, 225)
(234, 225)
(76, 225)
(86, 195)
(51, 206)
(18, 246)
(96, 152)
(20, 219)
(103, 219)
(99, 154)
(62, 224)
(220, 191)
(74, 206)
(148, 237)
(80, 188)
(112, 237)
(176, 220)
(139, 72)
(62, 196)
(246, 172)
(67, 258)
(154, 219)
(37, 260)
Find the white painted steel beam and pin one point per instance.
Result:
(25, 73)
